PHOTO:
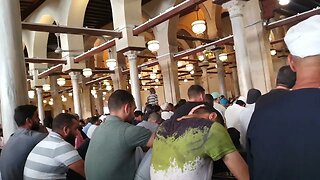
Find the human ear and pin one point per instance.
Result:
(291, 63)
(126, 108)
(65, 130)
(212, 116)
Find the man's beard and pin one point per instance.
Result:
(35, 126)
(70, 139)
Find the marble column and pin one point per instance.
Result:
(235, 8)
(12, 70)
(221, 74)
(40, 104)
(235, 81)
(99, 102)
(135, 85)
(57, 101)
(204, 77)
(169, 71)
(76, 93)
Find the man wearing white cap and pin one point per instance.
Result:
(282, 138)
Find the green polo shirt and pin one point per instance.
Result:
(111, 153)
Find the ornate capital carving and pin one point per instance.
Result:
(235, 7)
(74, 75)
(132, 55)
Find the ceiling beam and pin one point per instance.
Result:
(34, 6)
(95, 50)
(293, 19)
(169, 13)
(69, 30)
(146, 64)
(102, 72)
(189, 52)
(50, 71)
(45, 60)
(191, 38)
(97, 80)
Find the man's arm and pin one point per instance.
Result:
(237, 165)
(78, 167)
(150, 141)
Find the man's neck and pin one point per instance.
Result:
(119, 115)
(282, 87)
(308, 81)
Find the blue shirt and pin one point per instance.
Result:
(86, 128)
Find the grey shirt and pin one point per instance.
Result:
(16, 151)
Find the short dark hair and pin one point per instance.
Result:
(62, 120)
(253, 95)
(240, 102)
(138, 113)
(286, 77)
(94, 119)
(21, 113)
(47, 122)
(152, 90)
(208, 98)
(195, 90)
(118, 99)
(180, 103)
(210, 109)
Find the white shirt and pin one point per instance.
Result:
(232, 116)
(220, 108)
(245, 117)
(165, 115)
(91, 130)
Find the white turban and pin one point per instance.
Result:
(303, 39)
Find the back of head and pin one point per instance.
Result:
(195, 91)
(21, 113)
(240, 103)
(180, 103)
(138, 113)
(165, 106)
(47, 122)
(62, 120)
(208, 99)
(94, 119)
(302, 41)
(118, 99)
(154, 117)
(152, 90)
(150, 110)
(210, 109)
(286, 77)
(253, 95)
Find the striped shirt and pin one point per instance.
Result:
(152, 99)
(50, 159)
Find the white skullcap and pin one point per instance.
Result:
(303, 39)
(164, 106)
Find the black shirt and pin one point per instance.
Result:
(184, 109)
(283, 136)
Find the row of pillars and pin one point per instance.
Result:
(13, 77)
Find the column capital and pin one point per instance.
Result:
(74, 75)
(39, 90)
(235, 7)
(132, 55)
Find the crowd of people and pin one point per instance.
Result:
(270, 136)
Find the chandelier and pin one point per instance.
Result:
(153, 45)
(87, 72)
(198, 26)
